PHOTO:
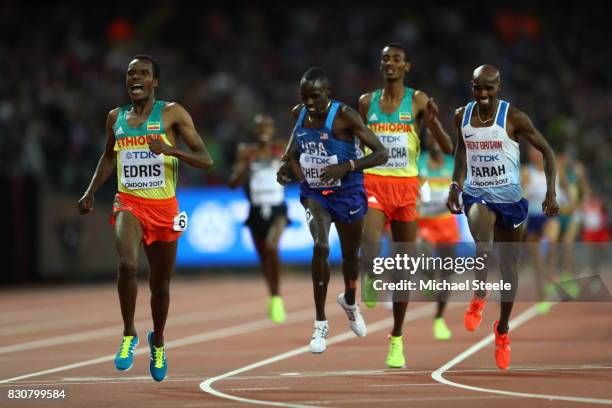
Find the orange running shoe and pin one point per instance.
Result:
(502, 348)
(473, 314)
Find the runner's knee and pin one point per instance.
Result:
(128, 268)
(321, 250)
(160, 287)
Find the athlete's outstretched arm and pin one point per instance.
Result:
(459, 170)
(106, 166)
(430, 114)
(524, 128)
(182, 123)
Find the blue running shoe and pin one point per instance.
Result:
(124, 360)
(158, 364)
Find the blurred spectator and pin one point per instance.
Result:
(64, 70)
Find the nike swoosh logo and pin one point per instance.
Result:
(519, 224)
(468, 136)
(301, 134)
(352, 212)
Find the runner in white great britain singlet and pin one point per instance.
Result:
(493, 159)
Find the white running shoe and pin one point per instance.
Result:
(356, 321)
(317, 342)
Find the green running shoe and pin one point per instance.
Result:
(395, 358)
(368, 294)
(441, 330)
(276, 309)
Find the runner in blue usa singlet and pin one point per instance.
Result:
(324, 156)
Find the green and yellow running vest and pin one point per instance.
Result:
(398, 134)
(140, 172)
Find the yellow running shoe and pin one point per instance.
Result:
(544, 307)
(368, 294)
(441, 330)
(395, 358)
(570, 284)
(276, 309)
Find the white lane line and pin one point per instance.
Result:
(379, 402)
(116, 380)
(404, 385)
(298, 376)
(206, 385)
(515, 323)
(256, 389)
(303, 314)
(115, 330)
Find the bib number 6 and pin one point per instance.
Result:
(180, 222)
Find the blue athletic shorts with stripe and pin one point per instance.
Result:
(344, 205)
(508, 215)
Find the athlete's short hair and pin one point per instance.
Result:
(400, 46)
(152, 61)
(316, 74)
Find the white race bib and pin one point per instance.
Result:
(397, 148)
(180, 222)
(312, 166)
(264, 189)
(487, 168)
(142, 169)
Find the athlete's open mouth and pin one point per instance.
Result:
(137, 88)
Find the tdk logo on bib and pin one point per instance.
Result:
(319, 160)
(485, 158)
(140, 155)
(390, 139)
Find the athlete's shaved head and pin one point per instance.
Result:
(486, 85)
(486, 73)
(317, 76)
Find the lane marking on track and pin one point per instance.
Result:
(304, 314)
(206, 385)
(256, 389)
(488, 340)
(298, 376)
(404, 385)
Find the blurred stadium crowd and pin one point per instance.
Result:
(63, 69)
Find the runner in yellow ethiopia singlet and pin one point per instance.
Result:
(395, 113)
(140, 172)
(145, 210)
(393, 187)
